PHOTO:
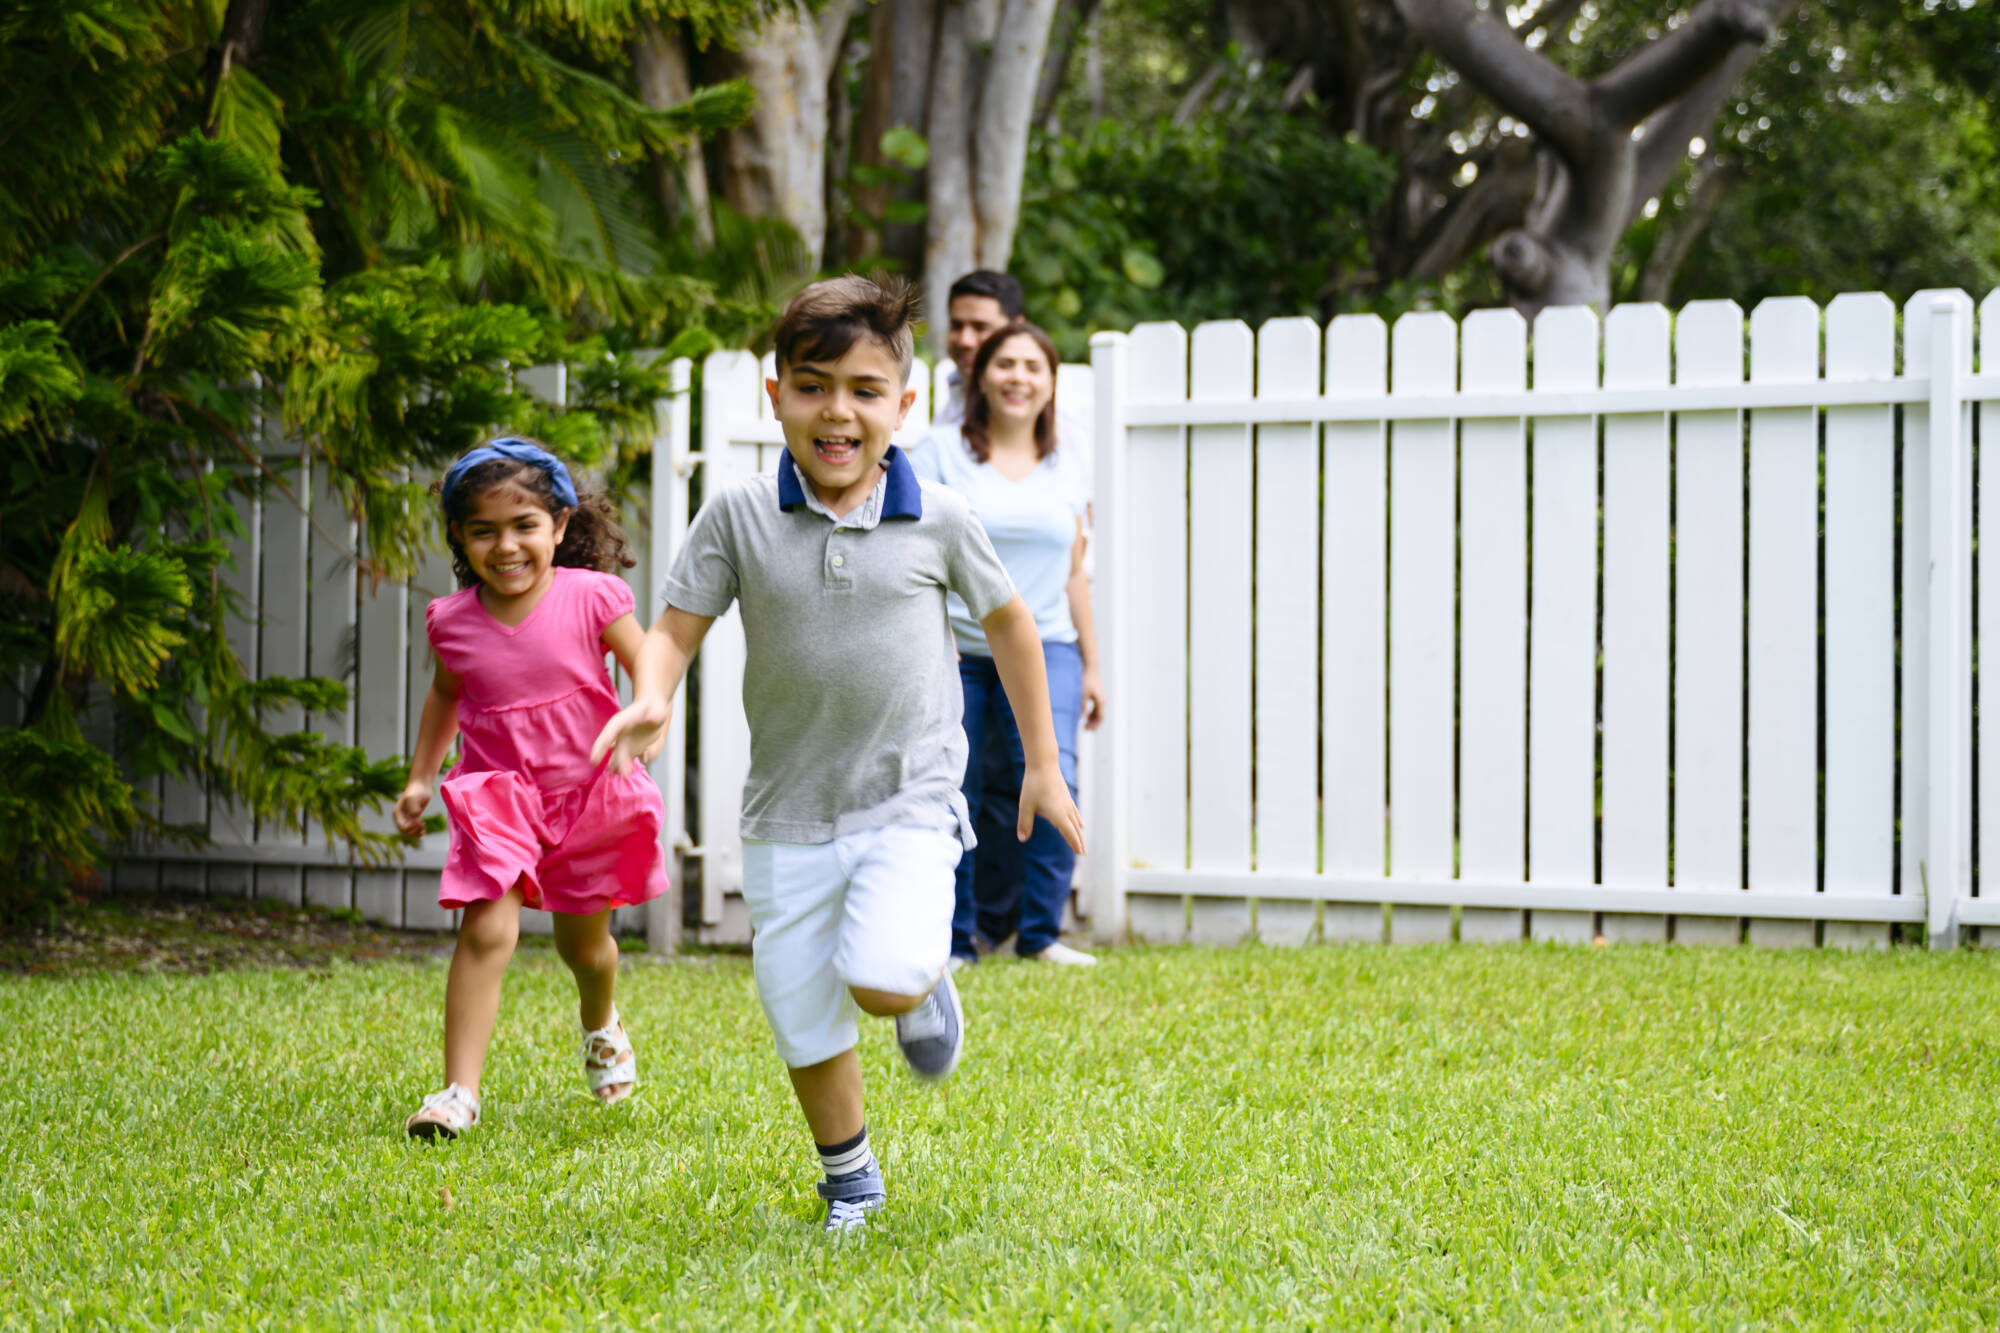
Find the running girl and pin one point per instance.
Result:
(520, 671)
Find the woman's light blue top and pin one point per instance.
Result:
(1031, 522)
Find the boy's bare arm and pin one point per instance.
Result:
(663, 659)
(1017, 654)
(435, 731)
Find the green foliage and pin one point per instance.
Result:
(1244, 210)
(59, 800)
(349, 237)
(1861, 156)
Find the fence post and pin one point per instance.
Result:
(1948, 866)
(672, 422)
(1109, 858)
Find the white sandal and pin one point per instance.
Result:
(444, 1115)
(609, 1066)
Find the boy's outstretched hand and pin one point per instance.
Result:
(1044, 793)
(634, 734)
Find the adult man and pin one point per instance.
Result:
(980, 303)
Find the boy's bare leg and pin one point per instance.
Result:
(884, 1004)
(830, 1095)
(487, 934)
(586, 946)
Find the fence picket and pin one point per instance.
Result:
(414, 900)
(330, 643)
(185, 800)
(230, 827)
(1708, 621)
(383, 724)
(1219, 658)
(1784, 620)
(1636, 621)
(282, 652)
(1422, 636)
(1287, 648)
(1860, 617)
(1988, 583)
(732, 383)
(1157, 512)
(1353, 622)
(1493, 652)
(1562, 655)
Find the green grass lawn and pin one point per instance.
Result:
(1430, 1137)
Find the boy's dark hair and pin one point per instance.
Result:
(593, 540)
(1002, 287)
(826, 319)
(976, 433)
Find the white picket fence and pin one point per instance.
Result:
(1543, 661)
(1404, 637)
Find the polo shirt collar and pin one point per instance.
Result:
(902, 497)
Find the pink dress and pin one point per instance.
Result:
(525, 802)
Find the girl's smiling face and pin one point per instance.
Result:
(510, 540)
(1018, 381)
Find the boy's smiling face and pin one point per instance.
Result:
(838, 416)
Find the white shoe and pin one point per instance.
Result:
(1063, 954)
(959, 962)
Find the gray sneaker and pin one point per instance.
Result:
(850, 1199)
(932, 1034)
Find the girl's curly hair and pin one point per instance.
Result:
(593, 540)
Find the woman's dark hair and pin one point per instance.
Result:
(593, 540)
(978, 429)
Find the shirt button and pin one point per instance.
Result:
(839, 560)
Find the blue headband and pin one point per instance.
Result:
(520, 451)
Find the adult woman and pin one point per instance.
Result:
(1032, 498)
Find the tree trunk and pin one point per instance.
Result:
(679, 185)
(1000, 139)
(951, 233)
(776, 164)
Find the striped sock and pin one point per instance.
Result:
(848, 1158)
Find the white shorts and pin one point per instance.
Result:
(869, 909)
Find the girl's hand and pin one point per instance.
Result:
(1093, 700)
(1044, 793)
(635, 733)
(410, 808)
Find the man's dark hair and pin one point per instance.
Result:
(825, 319)
(1002, 287)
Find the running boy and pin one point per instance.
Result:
(853, 824)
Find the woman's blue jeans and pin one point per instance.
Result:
(1047, 863)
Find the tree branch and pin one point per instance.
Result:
(1497, 200)
(1070, 23)
(1670, 131)
(1528, 86)
(1705, 192)
(1663, 69)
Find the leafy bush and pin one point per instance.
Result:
(1250, 208)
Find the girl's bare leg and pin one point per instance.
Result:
(586, 945)
(487, 934)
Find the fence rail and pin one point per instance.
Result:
(1659, 626)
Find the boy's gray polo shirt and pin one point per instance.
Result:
(850, 678)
